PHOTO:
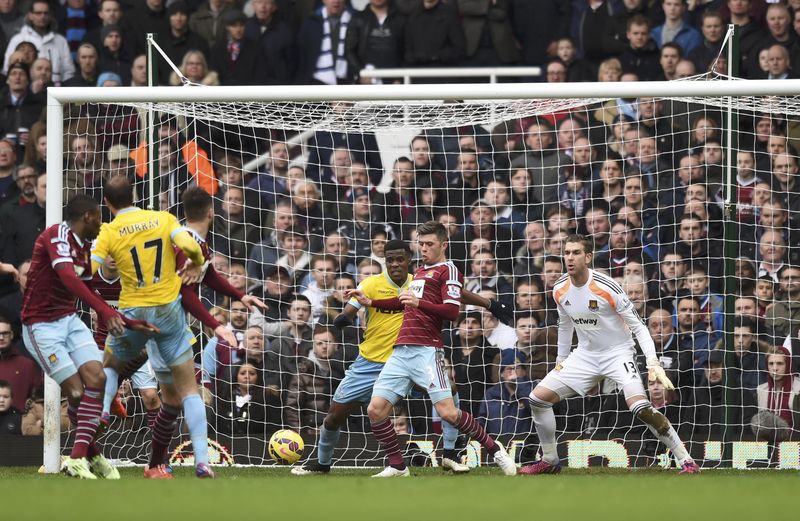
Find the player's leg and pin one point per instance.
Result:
(450, 460)
(144, 381)
(661, 427)
(575, 376)
(328, 438)
(622, 369)
(392, 385)
(427, 370)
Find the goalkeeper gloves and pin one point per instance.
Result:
(655, 373)
(503, 312)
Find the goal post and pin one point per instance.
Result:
(394, 112)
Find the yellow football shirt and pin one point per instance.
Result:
(140, 242)
(383, 326)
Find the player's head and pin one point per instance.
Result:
(432, 238)
(398, 256)
(198, 205)
(118, 192)
(577, 254)
(83, 215)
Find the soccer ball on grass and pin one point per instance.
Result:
(285, 447)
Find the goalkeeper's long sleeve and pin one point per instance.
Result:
(639, 330)
(565, 330)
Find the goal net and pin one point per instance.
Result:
(691, 199)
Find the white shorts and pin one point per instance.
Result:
(583, 370)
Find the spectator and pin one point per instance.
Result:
(610, 190)
(24, 190)
(636, 289)
(693, 334)
(750, 32)
(783, 316)
(675, 28)
(542, 159)
(397, 206)
(713, 29)
(433, 36)
(484, 274)
(529, 258)
(139, 71)
(41, 75)
(269, 28)
(623, 247)
(778, 402)
(361, 229)
(666, 341)
(10, 416)
(317, 377)
(787, 186)
(504, 409)
(110, 13)
(21, 226)
(779, 64)
(266, 252)
(208, 21)
(236, 59)
(194, 68)
(750, 364)
(11, 18)
(323, 272)
(708, 399)
(20, 107)
(482, 225)
(772, 252)
(489, 37)
(39, 30)
(472, 359)
(590, 26)
(240, 408)
(641, 56)
(712, 306)
(532, 339)
(179, 40)
(277, 292)
(537, 23)
(375, 39)
(669, 56)
(8, 167)
(20, 373)
(577, 69)
(87, 65)
(112, 56)
(321, 45)
(233, 233)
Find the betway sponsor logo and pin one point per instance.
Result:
(585, 321)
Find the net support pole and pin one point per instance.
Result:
(729, 249)
(151, 124)
(53, 215)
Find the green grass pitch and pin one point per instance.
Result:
(253, 494)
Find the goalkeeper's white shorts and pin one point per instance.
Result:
(583, 370)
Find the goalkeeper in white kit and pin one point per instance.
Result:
(595, 306)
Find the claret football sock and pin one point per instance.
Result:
(466, 424)
(88, 417)
(161, 430)
(384, 433)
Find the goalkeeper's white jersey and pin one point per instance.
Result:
(600, 312)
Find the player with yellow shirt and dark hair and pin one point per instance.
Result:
(380, 336)
(141, 243)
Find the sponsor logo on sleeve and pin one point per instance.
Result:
(453, 292)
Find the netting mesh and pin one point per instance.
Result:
(644, 178)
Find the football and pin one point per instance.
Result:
(285, 446)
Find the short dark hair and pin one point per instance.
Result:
(302, 298)
(576, 237)
(433, 228)
(523, 314)
(4, 384)
(196, 203)
(118, 191)
(397, 244)
(745, 322)
(79, 205)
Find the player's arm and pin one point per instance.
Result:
(191, 303)
(636, 325)
(447, 310)
(359, 296)
(115, 322)
(503, 313)
(346, 317)
(565, 330)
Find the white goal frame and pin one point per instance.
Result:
(58, 96)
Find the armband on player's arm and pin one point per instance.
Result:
(391, 304)
(191, 303)
(184, 240)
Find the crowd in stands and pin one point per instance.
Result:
(643, 177)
